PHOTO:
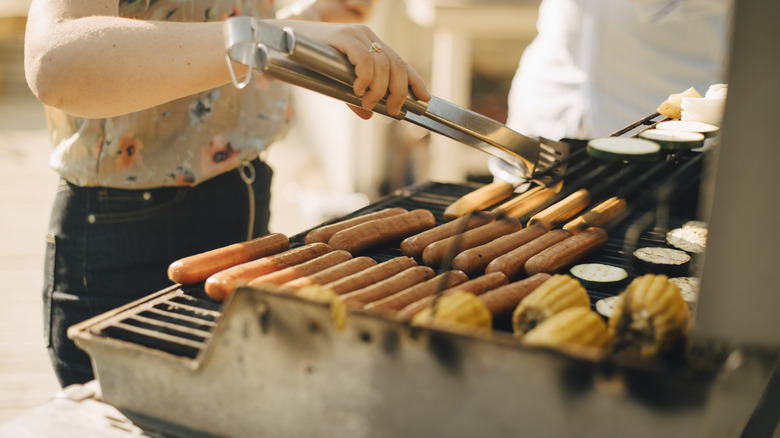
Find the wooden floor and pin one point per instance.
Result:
(26, 191)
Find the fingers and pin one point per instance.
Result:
(380, 72)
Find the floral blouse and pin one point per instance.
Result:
(183, 142)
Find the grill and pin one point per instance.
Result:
(264, 364)
(267, 364)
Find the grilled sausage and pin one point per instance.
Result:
(333, 273)
(401, 299)
(223, 283)
(434, 254)
(199, 267)
(325, 232)
(512, 264)
(476, 286)
(309, 267)
(413, 246)
(400, 281)
(380, 231)
(567, 252)
(562, 210)
(370, 275)
(597, 216)
(502, 301)
(474, 260)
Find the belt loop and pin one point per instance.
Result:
(247, 172)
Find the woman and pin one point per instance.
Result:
(159, 154)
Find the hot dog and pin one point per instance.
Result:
(502, 301)
(223, 283)
(333, 273)
(379, 231)
(413, 246)
(474, 260)
(324, 233)
(512, 264)
(434, 254)
(309, 267)
(403, 298)
(199, 267)
(370, 275)
(476, 286)
(597, 216)
(400, 281)
(567, 252)
(562, 210)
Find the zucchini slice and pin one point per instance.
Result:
(674, 140)
(689, 239)
(623, 148)
(689, 288)
(659, 260)
(706, 129)
(599, 276)
(606, 306)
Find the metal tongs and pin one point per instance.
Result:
(282, 54)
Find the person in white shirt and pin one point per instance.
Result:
(598, 65)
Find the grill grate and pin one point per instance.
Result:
(180, 320)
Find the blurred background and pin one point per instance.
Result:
(466, 50)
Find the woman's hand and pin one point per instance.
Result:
(380, 71)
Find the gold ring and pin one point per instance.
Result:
(375, 47)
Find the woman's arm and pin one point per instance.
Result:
(81, 57)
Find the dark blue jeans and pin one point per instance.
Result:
(107, 247)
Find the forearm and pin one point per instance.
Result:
(101, 66)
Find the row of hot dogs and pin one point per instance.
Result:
(499, 270)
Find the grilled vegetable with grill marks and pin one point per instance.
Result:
(459, 308)
(403, 298)
(380, 231)
(567, 252)
(413, 246)
(667, 261)
(572, 328)
(477, 286)
(558, 293)
(434, 254)
(309, 267)
(223, 283)
(474, 260)
(199, 267)
(371, 275)
(398, 282)
(649, 317)
(325, 232)
(599, 276)
(512, 264)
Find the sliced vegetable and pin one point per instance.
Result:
(660, 260)
(606, 306)
(706, 129)
(690, 239)
(674, 140)
(599, 276)
(623, 148)
(689, 288)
